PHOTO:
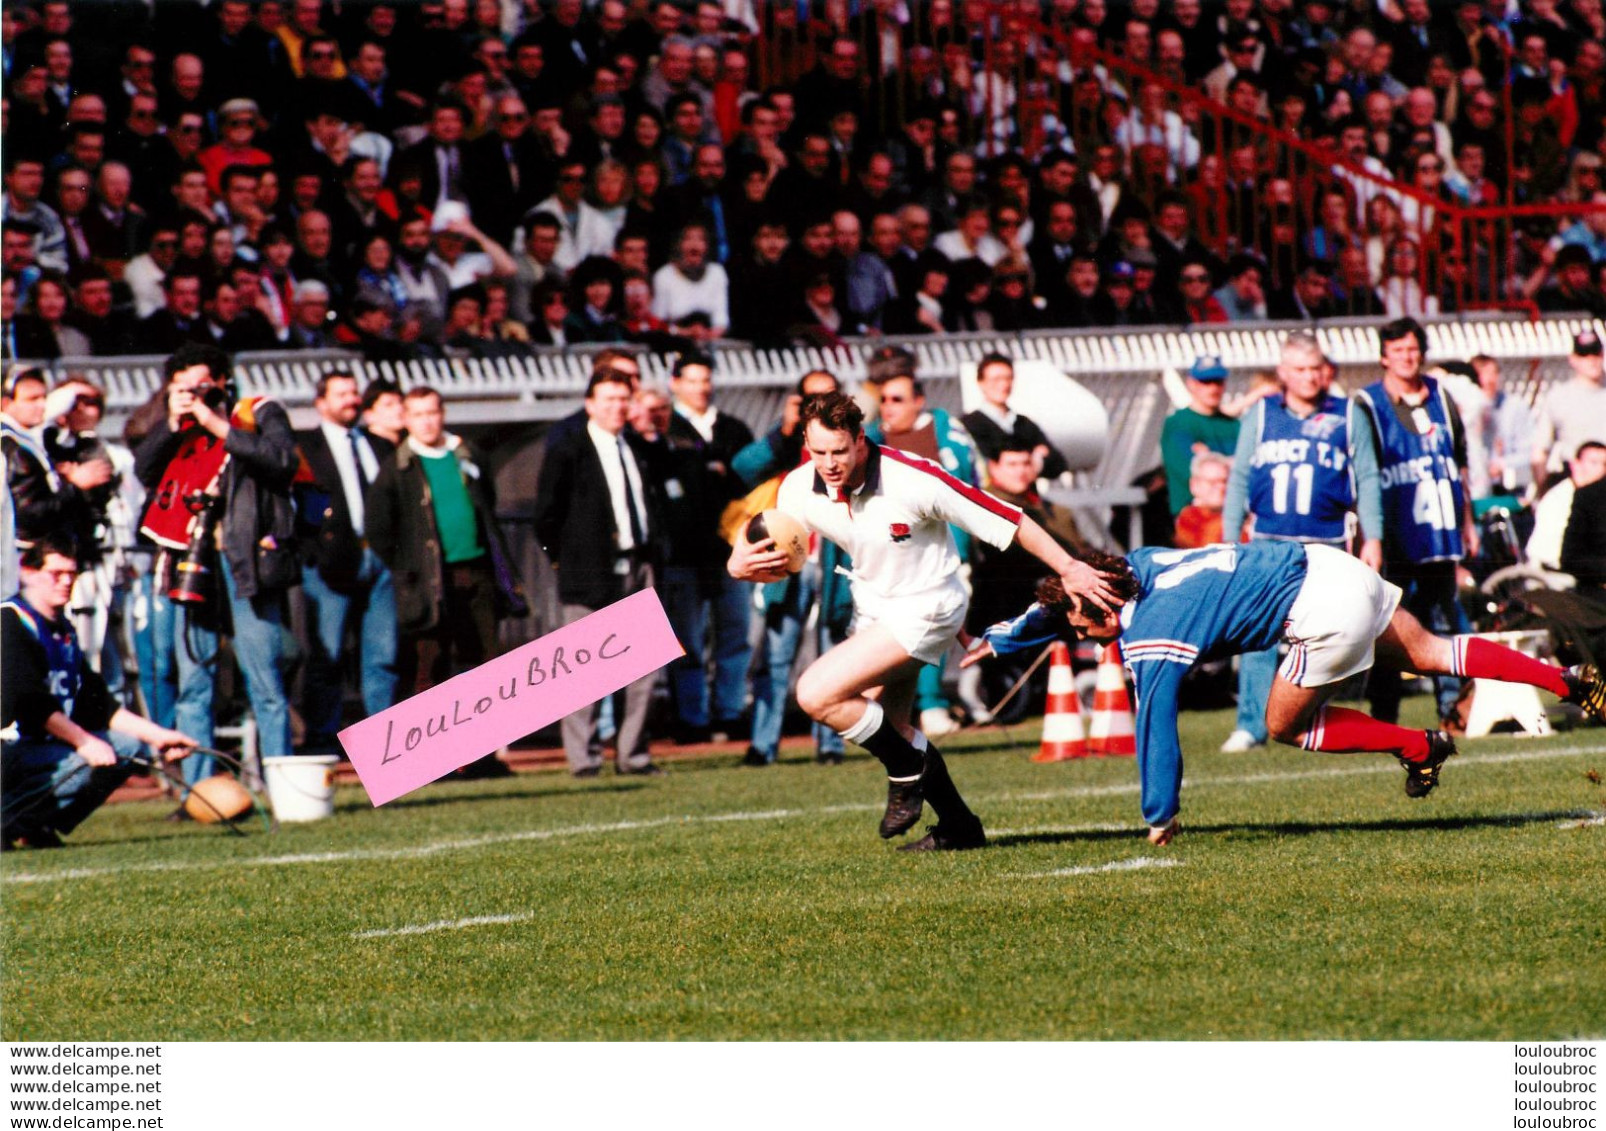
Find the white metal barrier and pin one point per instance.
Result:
(1118, 366)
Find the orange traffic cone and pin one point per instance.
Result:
(1063, 737)
(1112, 730)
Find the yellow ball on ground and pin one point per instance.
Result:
(217, 798)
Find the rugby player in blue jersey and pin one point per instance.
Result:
(1183, 607)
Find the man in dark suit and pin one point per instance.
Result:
(226, 323)
(508, 172)
(597, 518)
(1054, 244)
(371, 97)
(1308, 299)
(341, 576)
(699, 199)
(440, 158)
(179, 321)
(997, 428)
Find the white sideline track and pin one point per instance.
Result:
(443, 925)
(1137, 863)
(1372, 766)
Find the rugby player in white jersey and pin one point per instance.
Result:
(890, 512)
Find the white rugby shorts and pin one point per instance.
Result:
(1334, 623)
(924, 625)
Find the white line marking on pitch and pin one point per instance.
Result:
(1137, 863)
(442, 925)
(419, 850)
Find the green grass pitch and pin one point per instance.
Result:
(1306, 899)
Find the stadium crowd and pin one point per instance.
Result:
(448, 179)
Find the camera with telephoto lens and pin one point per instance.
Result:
(216, 398)
(192, 582)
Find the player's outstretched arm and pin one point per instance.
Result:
(1035, 626)
(1157, 684)
(1079, 578)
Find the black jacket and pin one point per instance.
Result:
(498, 205)
(38, 504)
(323, 517)
(258, 517)
(574, 519)
(163, 331)
(990, 439)
(1583, 546)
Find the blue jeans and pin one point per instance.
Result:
(259, 633)
(373, 602)
(733, 650)
(158, 679)
(783, 635)
(183, 675)
(48, 786)
(689, 614)
(1256, 670)
(185, 654)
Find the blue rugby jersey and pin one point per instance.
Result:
(1193, 605)
(47, 681)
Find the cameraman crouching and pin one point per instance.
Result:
(74, 741)
(240, 461)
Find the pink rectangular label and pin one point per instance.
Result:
(473, 714)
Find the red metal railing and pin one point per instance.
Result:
(1425, 252)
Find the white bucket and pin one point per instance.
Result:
(301, 788)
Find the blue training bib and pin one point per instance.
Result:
(1422, 493)
(1301, 484)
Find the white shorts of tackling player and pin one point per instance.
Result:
(1333, 626)
(924, 625)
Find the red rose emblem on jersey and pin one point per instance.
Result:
(900, 531)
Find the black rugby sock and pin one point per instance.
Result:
(940, 792)
(879, 735)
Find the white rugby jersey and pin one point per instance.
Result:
(895, 526)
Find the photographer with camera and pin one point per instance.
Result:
(105, 530)
(219, 480)
(45, 496)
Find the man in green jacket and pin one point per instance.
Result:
(431, 518)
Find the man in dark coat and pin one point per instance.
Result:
(598, 519)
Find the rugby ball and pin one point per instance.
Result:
(791, 537)
(217, 798)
